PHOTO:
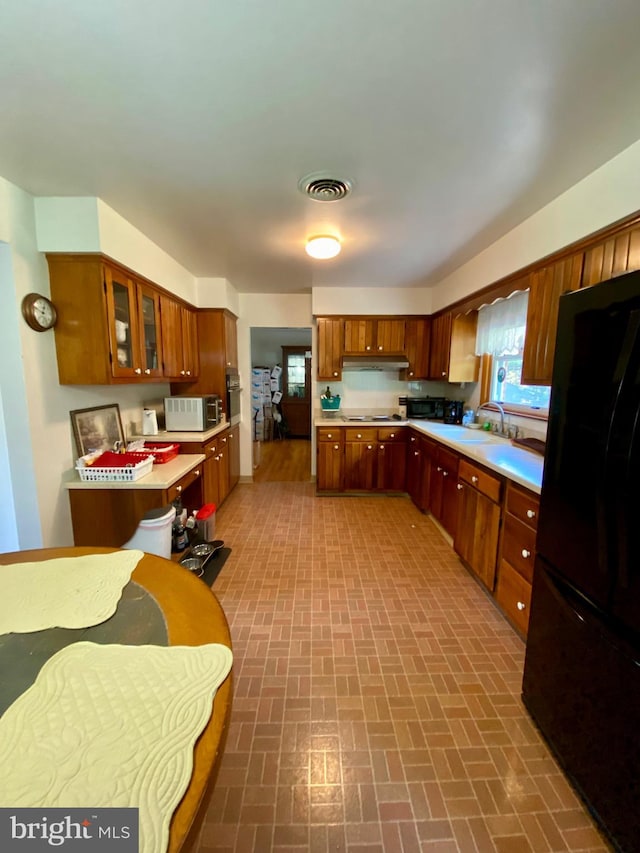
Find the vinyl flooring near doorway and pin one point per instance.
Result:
(284, 460)
(376, 698)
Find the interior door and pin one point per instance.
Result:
(296, 390)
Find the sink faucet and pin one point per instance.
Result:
(498, 406)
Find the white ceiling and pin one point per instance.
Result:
(456, 119)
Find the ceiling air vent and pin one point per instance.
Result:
(322, 188)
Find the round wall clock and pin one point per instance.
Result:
(39, 312)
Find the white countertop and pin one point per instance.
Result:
(492, 451)
(181, 437)
(161, 476)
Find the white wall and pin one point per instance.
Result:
(378, 300)
(603, 197)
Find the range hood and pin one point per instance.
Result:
(374, 362)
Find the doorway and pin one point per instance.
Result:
(289, 459)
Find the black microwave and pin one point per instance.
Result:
(426, 408)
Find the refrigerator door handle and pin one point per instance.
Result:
(625, 373)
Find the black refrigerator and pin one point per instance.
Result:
(582, 668)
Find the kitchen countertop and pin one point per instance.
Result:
(492, 451)
(181, 437)
(160, 477)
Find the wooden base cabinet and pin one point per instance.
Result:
(443, 494)
(513, 592)
(329, 459)
(478, 526)
(360, 452)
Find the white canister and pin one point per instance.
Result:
(149, 422)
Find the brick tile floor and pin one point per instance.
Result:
(376, 692)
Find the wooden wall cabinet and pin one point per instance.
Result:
(180, 334)
(373, 335)
(417, 341)
(478, 527)
(108, 330)
(547, 285)
(217, 345)
(330, 340)
(612, 257)
(453, 348)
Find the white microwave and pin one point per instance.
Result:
(192, 414)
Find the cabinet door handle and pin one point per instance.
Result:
(444, 373)
(367, 347)
(526, 554)
(416, 453)
(336, 447)
(147, 371)
(137, 370)
(411, 373)
(335, 372)
(382, 447)
(329, 435)
(380, 349)
(521, 605)
(413, 438)
(531, 513)
(359, 435)
(438, 468)
(188, 372)
(182, 373)
(369, 447)
(393, 435)
(474, 479)
(178, 489)
(459, 487)
(196, 473)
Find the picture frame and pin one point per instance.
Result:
(97, 428)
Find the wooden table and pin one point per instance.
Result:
(193, 617)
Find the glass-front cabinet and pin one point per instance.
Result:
(134, 327)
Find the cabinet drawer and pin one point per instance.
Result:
(183, 483)
(481, 480)
(330, 434)
(518, 545)
(523, 504)
(391, 434)
(513, 594)
(447, 460)
(361, 434)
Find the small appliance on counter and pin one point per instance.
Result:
(425, 408)
(453, 410)
(402, 407)
(192, 414)
(149, 422)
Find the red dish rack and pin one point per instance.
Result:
(161, 451)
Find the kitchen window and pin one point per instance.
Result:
(501, 333)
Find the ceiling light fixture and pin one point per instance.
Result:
(323, 247)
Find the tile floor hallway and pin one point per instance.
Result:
(376, 691)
